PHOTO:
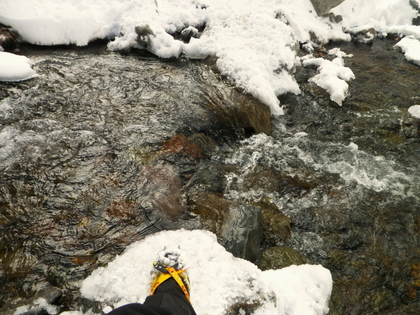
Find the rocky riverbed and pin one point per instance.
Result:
(105, 148)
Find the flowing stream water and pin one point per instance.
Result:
(101, 145)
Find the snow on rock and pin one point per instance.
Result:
(415, 111)
(38, 307)
(254, 41)
(311, 284)
(15, 68)
(254, 49)
(214, 273)
(390, 16)
(332, 74)
(301, 17)
(49, 22)
(161, 18)
(411, 48)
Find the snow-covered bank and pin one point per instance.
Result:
(389, 16)
(15, 68)
(218, 280)
(48, 22)
(254, 41)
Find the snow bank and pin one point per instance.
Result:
(214, 273)
(411, 48)
(301, 289)
(254, 41)
(15, 68)
(49, 22)
(387, 16)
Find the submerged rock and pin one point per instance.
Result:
(242, 232)
(276, 226)
(280, 257)
(238, 227)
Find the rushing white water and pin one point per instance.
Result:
(352, 165)
(341, 177)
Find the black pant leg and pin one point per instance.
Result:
(135, 309)
(170, 296)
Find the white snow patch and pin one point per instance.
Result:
(411, 48)
(332, 75)
(49, 22)
(292, 282)
(15, 68)
(415, 111)
(38, 304)
(387, 16)
(212, 272)
(254, 41)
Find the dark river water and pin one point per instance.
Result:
(105, 148)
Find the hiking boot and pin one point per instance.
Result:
(169, 264)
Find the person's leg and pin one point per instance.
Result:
(137, 309)
(170, 288)
(170, 296)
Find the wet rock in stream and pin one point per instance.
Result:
(279, 257)
(44, 302)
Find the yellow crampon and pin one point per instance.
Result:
(174, 274)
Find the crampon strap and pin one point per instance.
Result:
(174, 274)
